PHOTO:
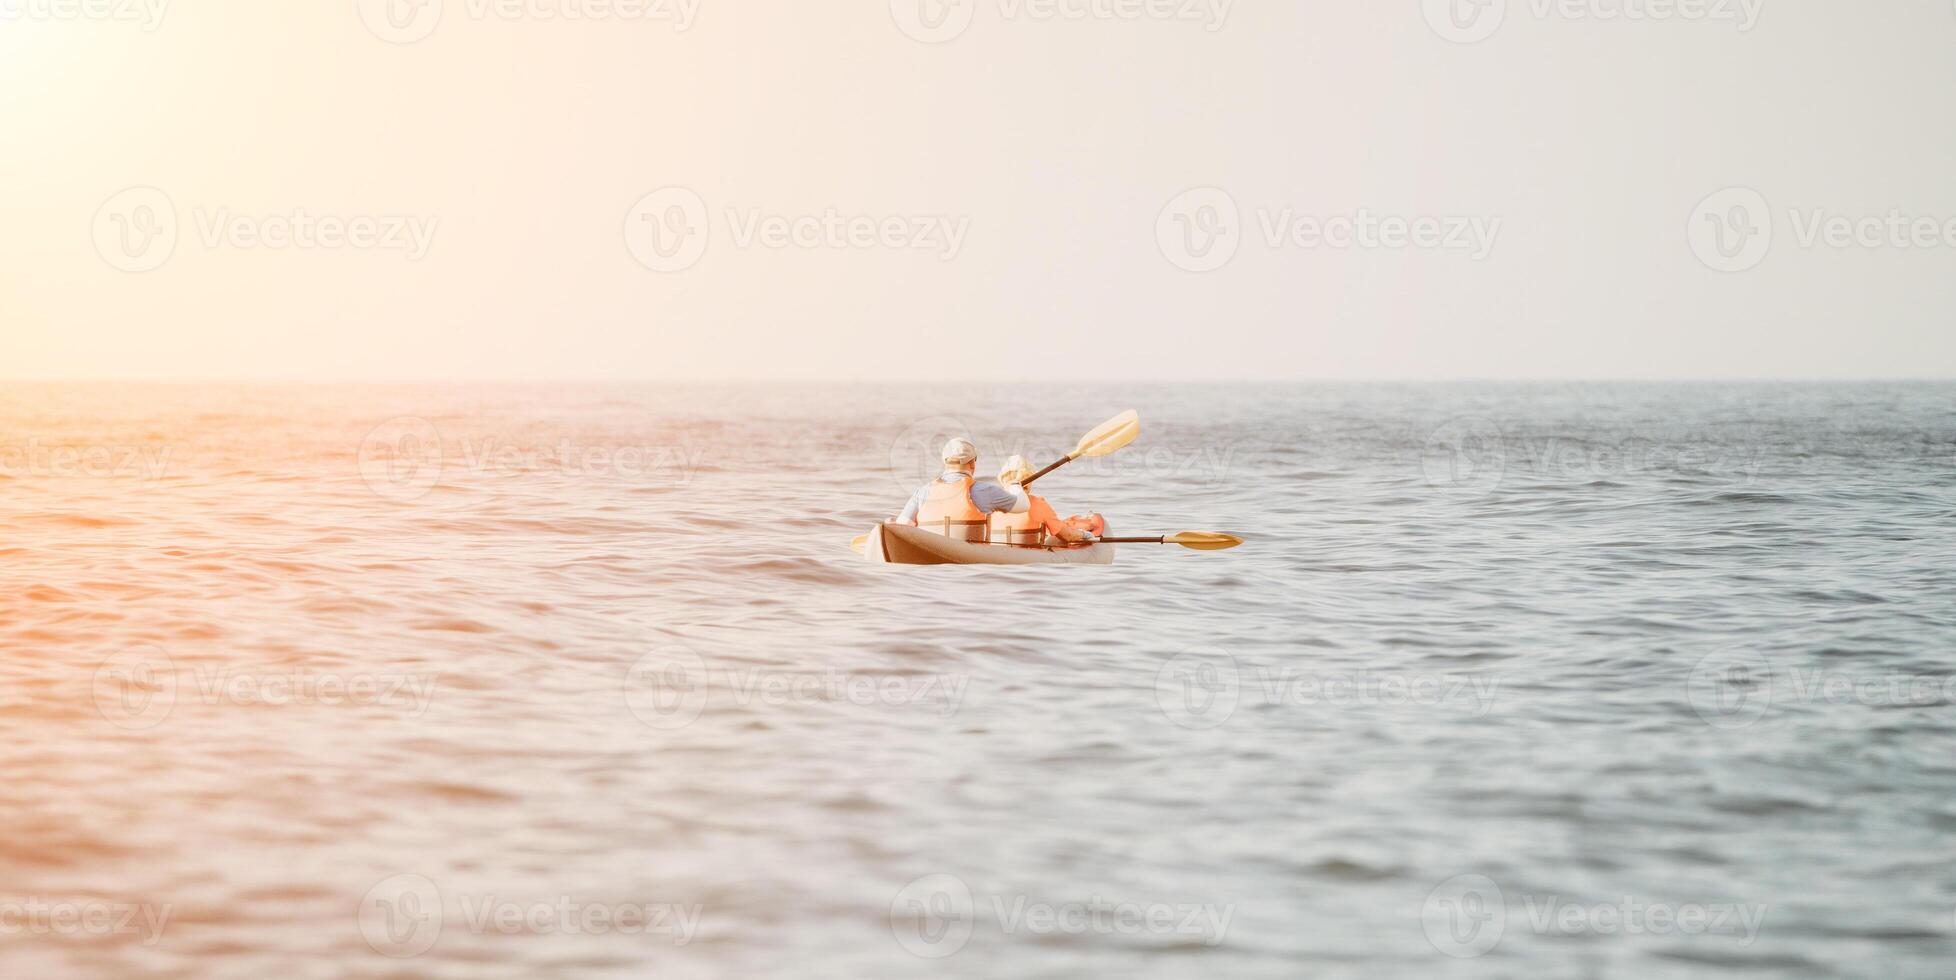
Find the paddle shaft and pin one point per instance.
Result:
(1109, 436)
(1160, 540)
(1056, 464)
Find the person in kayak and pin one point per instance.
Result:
(955, 504)
(1039, 519)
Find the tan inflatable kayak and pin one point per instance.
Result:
(897, 544)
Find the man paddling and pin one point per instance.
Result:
(955, 504)
(1039, 521)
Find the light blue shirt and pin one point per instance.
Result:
(987, 495)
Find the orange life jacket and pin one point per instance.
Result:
(1030, 527)
(1024, 528)
(948, 510)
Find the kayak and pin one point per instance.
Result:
(898, 544)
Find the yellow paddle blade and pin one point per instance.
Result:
(1203, 540)
(1110, 435)
(858, 543)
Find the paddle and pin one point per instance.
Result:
(858, 543)
(1105, 438)
(1196, 540)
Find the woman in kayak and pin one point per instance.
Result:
(955, 504)
(1039, 519)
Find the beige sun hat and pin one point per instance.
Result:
(1015, 470)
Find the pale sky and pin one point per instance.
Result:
(1374, 197)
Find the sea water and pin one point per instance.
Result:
(479, 681)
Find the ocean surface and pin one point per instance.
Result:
(505, 681)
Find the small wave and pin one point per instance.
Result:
(72, 519)
(1742, 497)
(799, 570)
(453, 626)
(1843, 596)
(461, 792)
(1345, 869)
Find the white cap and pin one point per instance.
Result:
(960, 450)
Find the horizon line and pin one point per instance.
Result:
(887, 382)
